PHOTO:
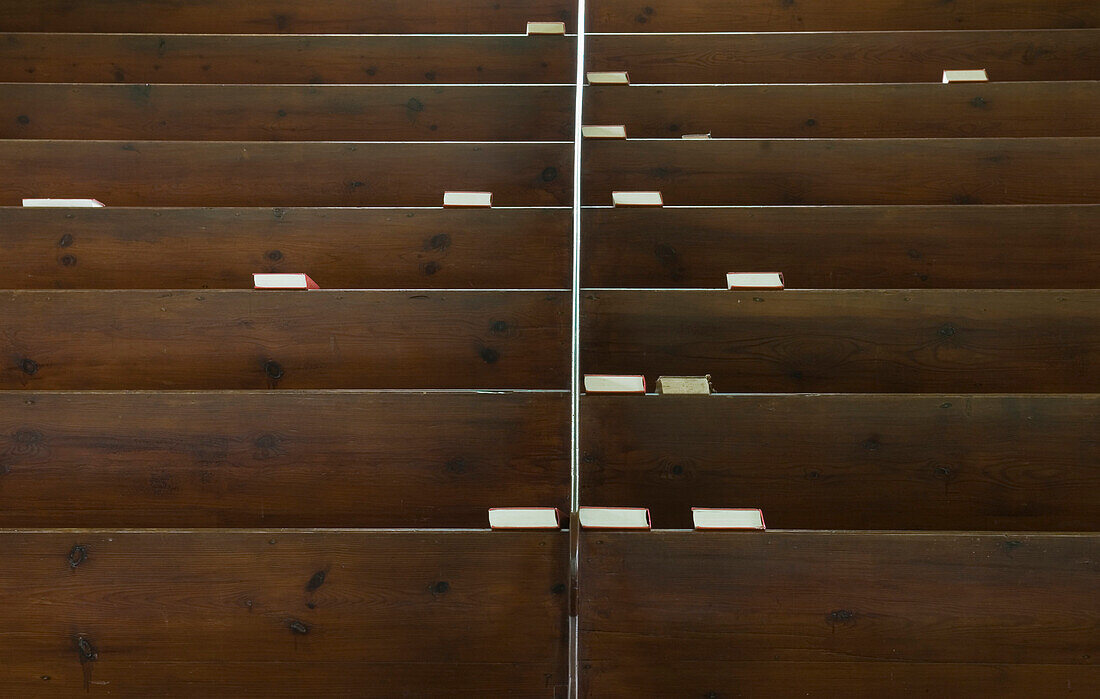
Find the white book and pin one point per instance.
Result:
(283, 281)
(613, 383)
(88, 203)
(727, 518)
(965, 76)
(613, 77)
(637, 199)
(603, 131)
(696, 136)
(456, 199)
(545, 28)
(754, 280)
(684, 385)
(524, 518)
(614, 518)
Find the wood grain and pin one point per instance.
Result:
(283, 339)
(282, 459)
(782, 614)
(848, 171)
(277, 612)
(915, 110)
(283, 59)
(850, 461)
(123, 248)
(846, 247)
(179, 173)
(916, 341)
(286, 112)
(855, 57)
(284, 16)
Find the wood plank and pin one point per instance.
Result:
(291, 339)
(286, 112)
(845, 171)
(122, 248)
(923, 341)
(782, 614)
(281, 59)
(136, 173)
(862, 461)
(846, 247)
(771, 16)
(363, 613)
(282, 459)
(915, 110)
(856, 57)
(284, 16)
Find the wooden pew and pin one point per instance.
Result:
(846, 247)
(281, 59)
(782, 614)
(284, 16)
(122, 248)
(135, 173)
(856, 57)
(282, 613)
(286, 112)
(849, 461)
(282, 459)
(914, 110)
(926, 341)
(284, 339)
(771, 16)
(843, 171)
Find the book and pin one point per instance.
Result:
(84, 203)
(616, 77)
(283, 281)
(727, 518)
(637, 199)
(613, 383)
(603, 131)
(524, 518)
(965, 76)
(684, 385)
(545, 28)
(754, 280)
(467, 199)
(614, 518)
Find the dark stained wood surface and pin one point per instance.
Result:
(915, 110)
(284, 16)
(286, 112)
(916, 341)
(127, 248)
(844, 15)
(287, 458)
(844, 171)
(782, 614)
(856, 57)
(283, 339)
(849, 247)
(931, 462)
(178, 173)
(283, 613)
(225, 58)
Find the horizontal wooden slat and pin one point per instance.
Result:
(289, 339)
(43, 248)
(178, 173)
(782, 614)
(947, 462)
(857, 57)
(926, 341)
(842, 171)
(255, 613)
(286, 112)
(847, 247)
(310, 459)
(283, 16)
(845, 15)
(962, 110)
(224, 58)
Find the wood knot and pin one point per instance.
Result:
(66, 241)
(844, 617)
(29, 367)
(947, 330)
(86, 651)
(274, 255)
(441, 587)
(439, 242)
(67, 260)
(297, 627)
(498, 326)
(549, 174)
(414, 105)
(273, 369)
(316, 581)
(489, 355)
(77, 555)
